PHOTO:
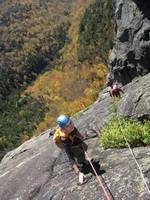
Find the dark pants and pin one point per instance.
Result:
(78, 153)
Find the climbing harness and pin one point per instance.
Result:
(100, 180)
(132, 153)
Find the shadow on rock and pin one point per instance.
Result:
(144, 6)
(87, 168)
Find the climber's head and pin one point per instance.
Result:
(64, 122)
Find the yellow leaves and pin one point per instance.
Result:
(3, 141)
(85, 72)
(90, 94)
(100, 70)
(99, 73)
(69, 90)
(70, 50)
(41, 127)
(75, 106)
(73, 85)
(57, 99)
(45, 48)
(24, 138)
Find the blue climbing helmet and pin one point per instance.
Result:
(63, 121)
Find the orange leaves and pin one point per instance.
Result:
(73, 85)
(69, 90)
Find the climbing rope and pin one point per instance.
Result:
(132, 153)
(100, 180)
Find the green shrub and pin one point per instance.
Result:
(113, 108)
(136, 133)
(146, 131)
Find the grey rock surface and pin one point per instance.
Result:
(130, 56)
(37, 169)
(136, 101)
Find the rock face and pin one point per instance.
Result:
(136, 101)
(130, 56)
(37, 170)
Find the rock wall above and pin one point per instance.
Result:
(136, 100)
(130, 56)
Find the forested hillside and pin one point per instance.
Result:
(53, 60)
(32, 33)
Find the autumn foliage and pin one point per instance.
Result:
(53, 61)
(68, 91)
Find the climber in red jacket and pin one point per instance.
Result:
(115, 91)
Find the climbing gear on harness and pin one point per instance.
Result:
(63, 121)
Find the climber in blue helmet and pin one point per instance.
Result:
(63, 121)
(68, 138)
